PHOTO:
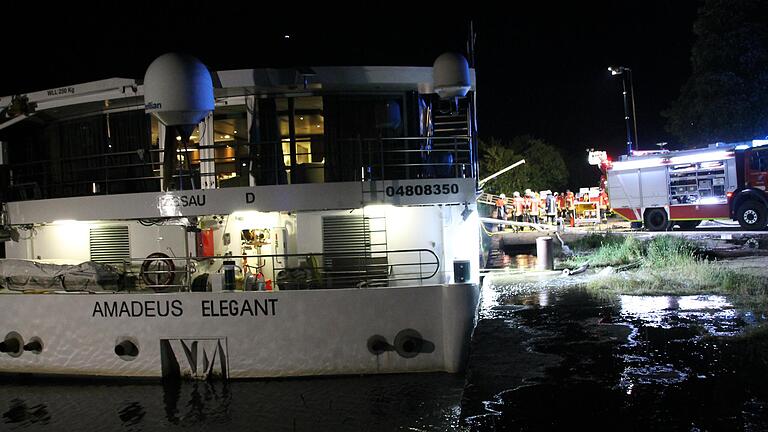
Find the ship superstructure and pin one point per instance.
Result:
(309, 224)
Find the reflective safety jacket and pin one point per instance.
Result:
(519, 206)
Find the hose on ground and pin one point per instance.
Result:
(580, 269)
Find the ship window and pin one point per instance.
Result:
(302, 127)
(231, 149)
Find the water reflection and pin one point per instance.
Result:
(712, 312)
(641, 305)
(21, 414)
(189, 403)
(428, 401)
(519, 261)
(131, 415)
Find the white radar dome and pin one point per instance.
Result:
(178, 90)
(450, 74)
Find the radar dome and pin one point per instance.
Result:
(178, 90)
(450, 74)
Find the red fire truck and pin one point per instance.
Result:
(666, 188)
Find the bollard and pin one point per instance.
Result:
(545, 259)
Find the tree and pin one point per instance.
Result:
(544, 168)
(726, 96)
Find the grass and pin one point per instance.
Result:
(669, 265)
(605, 250)
(594, 240)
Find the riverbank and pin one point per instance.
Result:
(658, 333)
(673, 265)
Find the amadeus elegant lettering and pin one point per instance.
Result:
(175, 308)
(138, 309)
(238, 308)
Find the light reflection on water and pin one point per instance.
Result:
(520, 261)
(712, 312)
(682, 322)
(656, 358)
(641, 305)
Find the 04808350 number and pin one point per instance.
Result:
(419, 190)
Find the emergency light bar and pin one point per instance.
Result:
(674, 160)
(701, 157)
(754, 143)
(635, 164)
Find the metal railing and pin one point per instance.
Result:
(286, 271)
(349, 159)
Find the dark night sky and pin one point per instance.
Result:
(541, 70)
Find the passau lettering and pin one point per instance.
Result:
(197, 200)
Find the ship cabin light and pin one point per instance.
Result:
(254, 219)
(377, 210)
(64, 222)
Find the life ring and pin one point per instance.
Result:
(158, 270)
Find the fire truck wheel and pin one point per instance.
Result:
(656, 220)
(752, 215)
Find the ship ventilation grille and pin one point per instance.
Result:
(354, 249)
(110, 244)
(346, 235)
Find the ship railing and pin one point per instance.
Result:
(244, 164)
(295, 271)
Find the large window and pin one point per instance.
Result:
(230, 149)
(230, 137)
(302, 127)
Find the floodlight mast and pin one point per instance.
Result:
(620, 70)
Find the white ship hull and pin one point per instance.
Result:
(241, 334)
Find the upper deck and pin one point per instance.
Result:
(283, 138)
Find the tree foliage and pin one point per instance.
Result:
(726, 96)
(544, 167)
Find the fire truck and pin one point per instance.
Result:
(664, 188)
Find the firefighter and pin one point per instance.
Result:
(517, 203)
(603, 205)
(570, 205)
(501, 211)
(535, 203)
(527, 213)
(551, 208)
(561, 209)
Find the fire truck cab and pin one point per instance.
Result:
(749, 202)
(666, 188)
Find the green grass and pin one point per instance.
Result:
(611, 251)
(594, 241)
(671, 265)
